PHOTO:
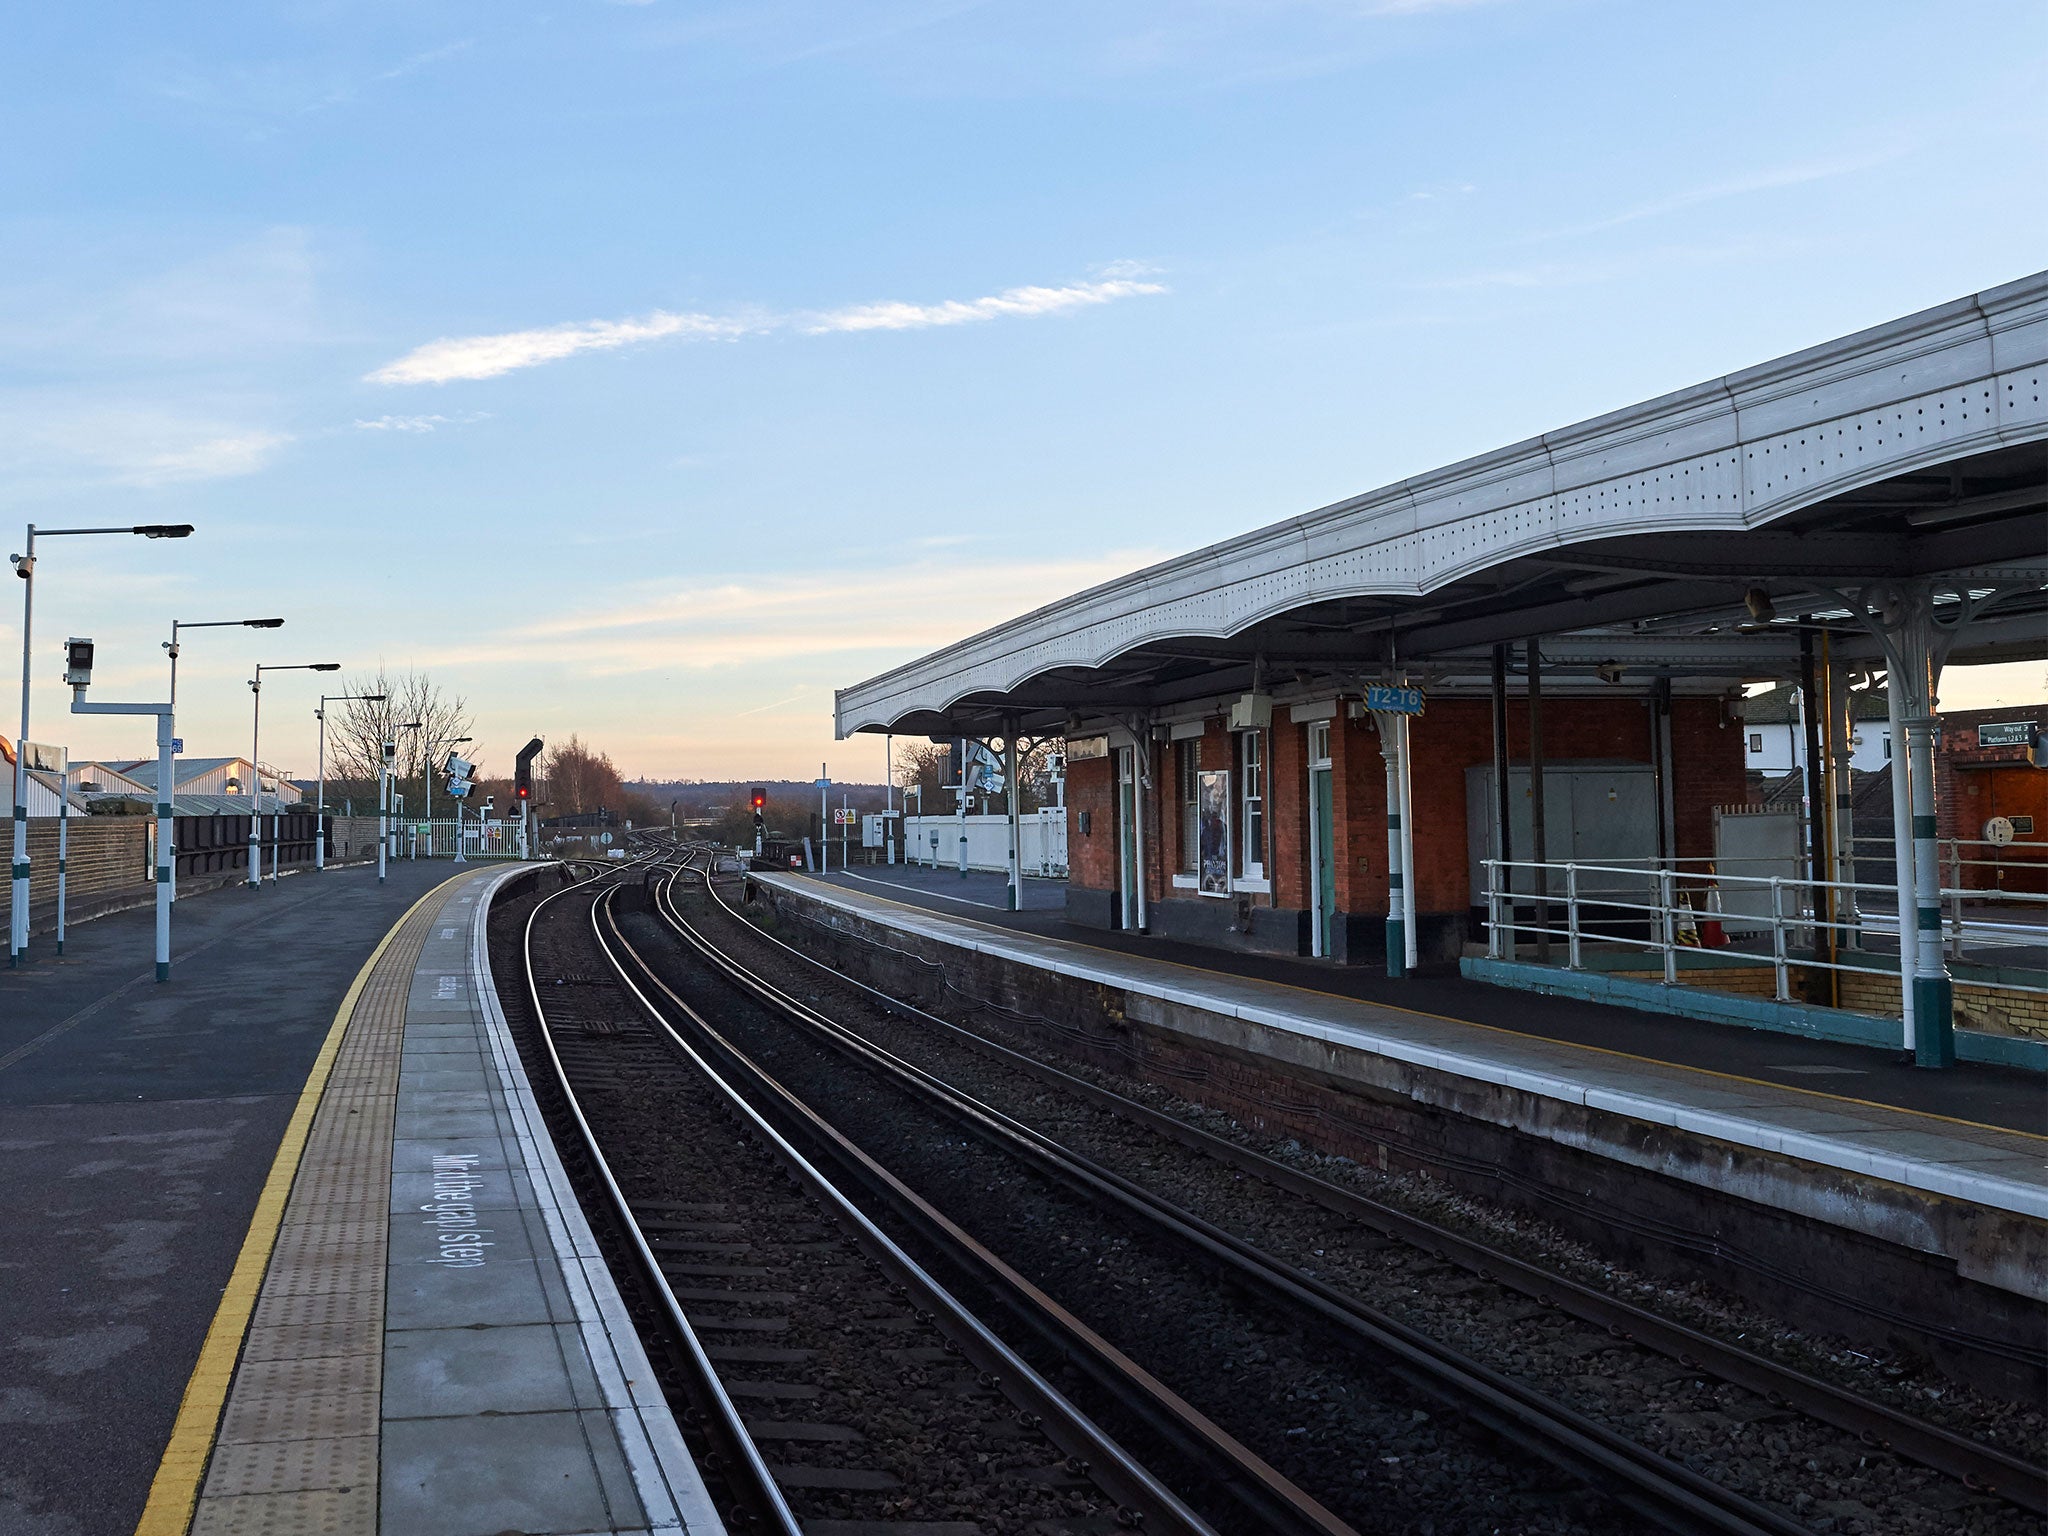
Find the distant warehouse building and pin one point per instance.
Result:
(1543, 651)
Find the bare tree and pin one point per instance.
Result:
(358, 728)
(929, 765)
(921, 765)
(577, 779)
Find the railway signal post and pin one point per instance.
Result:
(78, 673)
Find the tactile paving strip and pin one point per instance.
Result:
(296, 1452)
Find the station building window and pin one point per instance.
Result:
(1188, 755)
(1251, 778)
(1756, 741)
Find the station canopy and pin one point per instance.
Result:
(1688, 537)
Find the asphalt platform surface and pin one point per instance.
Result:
(2009, 1098)
(137, 1125)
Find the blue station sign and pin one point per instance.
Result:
(1387, 699)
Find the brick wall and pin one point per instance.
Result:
(1287, 813)
(1875, 993)
(108, 865)
(1360, 793)
(1091, 860)
(352, 839)
(107, 853)
(1453, 735)
(1972, 784)
(1456, 734)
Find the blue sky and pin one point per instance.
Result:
(647, 370)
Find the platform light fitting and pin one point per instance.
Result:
(163, 530)
(1761, 610)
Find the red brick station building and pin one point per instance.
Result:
(1576, 618)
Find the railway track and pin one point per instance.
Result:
(823, 1374)
(1979, 1467)
(1876, 1427)
(1237, 1485)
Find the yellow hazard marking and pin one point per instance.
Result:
(174, 1492)
(1499, 1029)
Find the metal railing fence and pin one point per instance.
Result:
(415, 839)
(1668, 912)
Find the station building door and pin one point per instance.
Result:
(1130, 901)
(1322, 835)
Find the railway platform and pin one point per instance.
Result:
(1797, 1171)
(287, 1240)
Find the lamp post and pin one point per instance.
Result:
(172, 646)
(396, 799)
(25, 568)
(256, 760)
(320, 800)
(427, 776)
(387, 753)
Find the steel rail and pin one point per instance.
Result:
(1632, 1474)
(1117, 1473)
(1682, 1240)
(741, 1466)
(1268, 1496)
(1979, 1467)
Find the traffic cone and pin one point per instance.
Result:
(1712, 934)
(1684, 929)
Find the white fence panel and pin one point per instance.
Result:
(1042, 836)
(1758, 843)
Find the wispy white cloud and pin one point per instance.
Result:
(208, 458)
(813, 617)
(1419, 7)
(420, 61)
(264, 93)
(69, 442)
(1612, 268)
(1772, 178)
(895, 315)
(486, 357)
(421, 423)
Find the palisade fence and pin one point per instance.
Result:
(1042, 836)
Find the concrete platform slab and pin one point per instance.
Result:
(490, 1354)
(137, 1121)
(1852, 1134)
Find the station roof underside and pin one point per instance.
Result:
(1914, 451)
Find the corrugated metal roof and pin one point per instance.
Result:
(204, 805)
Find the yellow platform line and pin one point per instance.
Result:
(1499, 1029)
(174, 1492)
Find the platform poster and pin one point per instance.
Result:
(1212, 817)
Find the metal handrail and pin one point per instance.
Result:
(1819, 937)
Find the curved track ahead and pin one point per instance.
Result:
(1671, 1496)
(567, 936)
(1979, 1467)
